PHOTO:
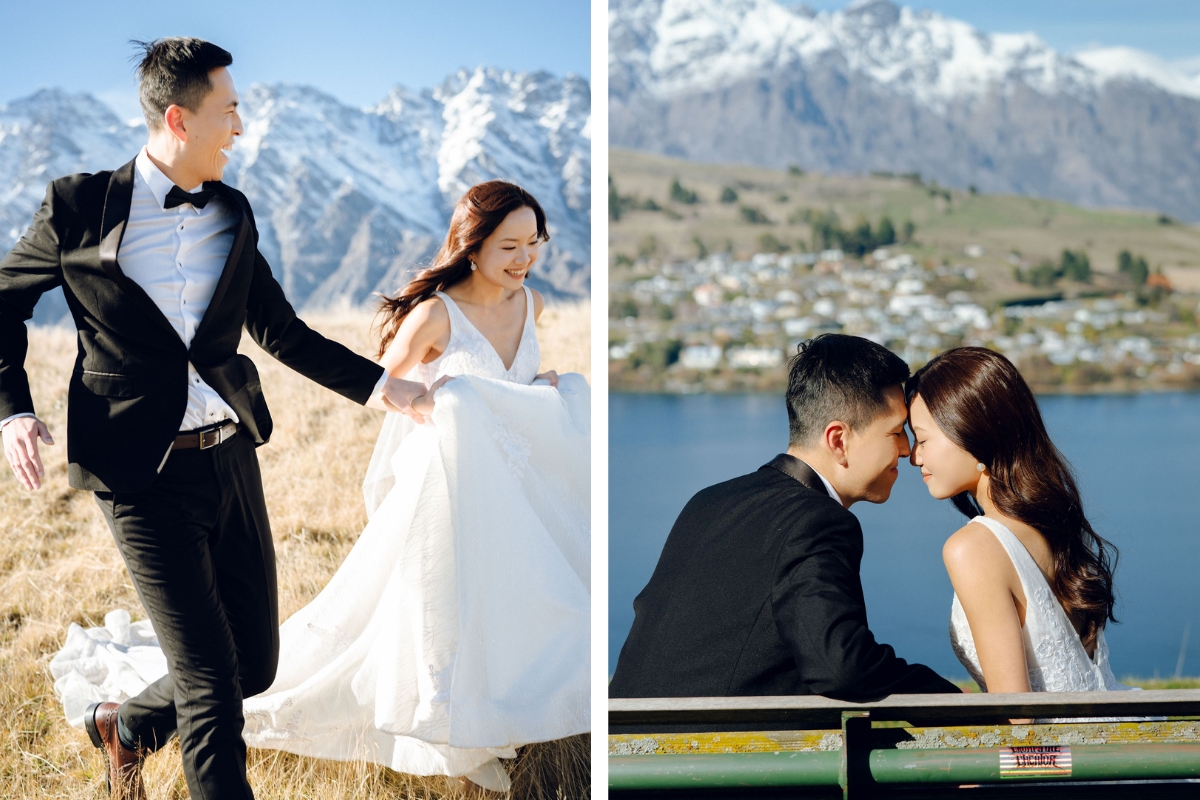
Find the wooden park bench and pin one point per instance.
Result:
(908, 746)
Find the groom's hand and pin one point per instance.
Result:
(21, 449)
(398, 395)
(424, 403)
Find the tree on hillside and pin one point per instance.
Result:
(681, 195)
(826, 230)
(886, 233)
(1075, 266)
(614, 200)
(754, 215)
(728, 195)
(909, 230)
(858, 240)
(1044, 274)
(1133, 266)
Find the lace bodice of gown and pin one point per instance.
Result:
(470, 353)
(1054, 654)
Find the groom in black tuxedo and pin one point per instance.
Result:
(159, 263)
(757, 590)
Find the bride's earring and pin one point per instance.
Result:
(979, 466)
(473, 267)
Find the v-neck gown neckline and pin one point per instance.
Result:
(470, 352)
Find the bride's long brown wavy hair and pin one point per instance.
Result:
(981, 402)
(478, 213)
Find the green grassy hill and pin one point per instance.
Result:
(947, 221)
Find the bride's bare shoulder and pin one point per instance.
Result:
(430, 310)
(423, 335)
(973, 549)
(429, 321)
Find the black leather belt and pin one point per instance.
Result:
(206, 437)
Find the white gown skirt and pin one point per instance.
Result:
(458, 627)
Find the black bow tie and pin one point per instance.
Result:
(177, 197)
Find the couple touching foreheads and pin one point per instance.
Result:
(457, 627)
(757, 590)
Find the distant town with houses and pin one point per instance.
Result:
(722, 323)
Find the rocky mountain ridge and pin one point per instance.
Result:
(881, 87)
(348, 201)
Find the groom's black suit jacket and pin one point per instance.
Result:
(128, 391)
(757, 592)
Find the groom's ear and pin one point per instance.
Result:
(834, 439)
(173, 120)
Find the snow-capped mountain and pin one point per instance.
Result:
(347, 200)
(878, 86)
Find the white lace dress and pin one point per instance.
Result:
(458, 627)
(1054, 654)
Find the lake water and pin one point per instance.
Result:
(1137, 459)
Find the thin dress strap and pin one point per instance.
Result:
(528, 308)
(451, 306)
(1017, 553)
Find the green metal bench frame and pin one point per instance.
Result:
(751, 745)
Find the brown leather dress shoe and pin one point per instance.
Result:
(124, 766)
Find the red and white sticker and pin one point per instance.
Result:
(1035, 762)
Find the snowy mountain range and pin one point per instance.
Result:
(878, 86)
(347, 200)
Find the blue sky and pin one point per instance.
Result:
(354, 49)
(1167, 28)
(358, 49)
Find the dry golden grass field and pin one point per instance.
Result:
(58, 565)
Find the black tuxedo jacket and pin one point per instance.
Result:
(128, 391)
(757, 592)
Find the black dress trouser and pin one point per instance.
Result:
(198, 545)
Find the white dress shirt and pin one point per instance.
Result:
(177, 256)
(828, 486)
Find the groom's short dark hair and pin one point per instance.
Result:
(839, 377)
(174, 72)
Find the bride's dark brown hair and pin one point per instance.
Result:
(980, 401)
(476, 216)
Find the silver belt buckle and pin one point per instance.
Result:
(218, 435)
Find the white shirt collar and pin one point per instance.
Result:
(158, 183)
(828, 486)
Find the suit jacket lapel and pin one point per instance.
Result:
(113, 221)
(241, 234)
(797, 469)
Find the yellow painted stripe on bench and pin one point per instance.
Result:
(974, 736)
(661, 744)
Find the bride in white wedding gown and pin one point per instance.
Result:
(1032, 581)
(458, 627)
